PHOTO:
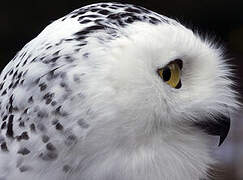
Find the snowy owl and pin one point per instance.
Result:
(113, 92)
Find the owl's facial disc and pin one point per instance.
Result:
(171, 73)
(219, 127)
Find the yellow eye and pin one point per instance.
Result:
(171, 73)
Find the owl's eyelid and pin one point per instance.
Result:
(176, 61)
(179, 62)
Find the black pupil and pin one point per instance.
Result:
(166, 74)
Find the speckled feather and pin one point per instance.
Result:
(47, 94)
(42, 83)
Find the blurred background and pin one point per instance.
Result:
(21, 21)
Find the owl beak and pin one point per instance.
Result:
(219, 127)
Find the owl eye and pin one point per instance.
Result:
(171, 73)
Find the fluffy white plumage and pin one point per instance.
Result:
(84, 101)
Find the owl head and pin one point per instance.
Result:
(165, 76)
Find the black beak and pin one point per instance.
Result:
(218, 127)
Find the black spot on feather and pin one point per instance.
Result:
(23, 151)
(10, 132)
(4, 147)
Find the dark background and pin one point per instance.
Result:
(21, 21)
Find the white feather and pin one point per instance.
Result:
(139, 127)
